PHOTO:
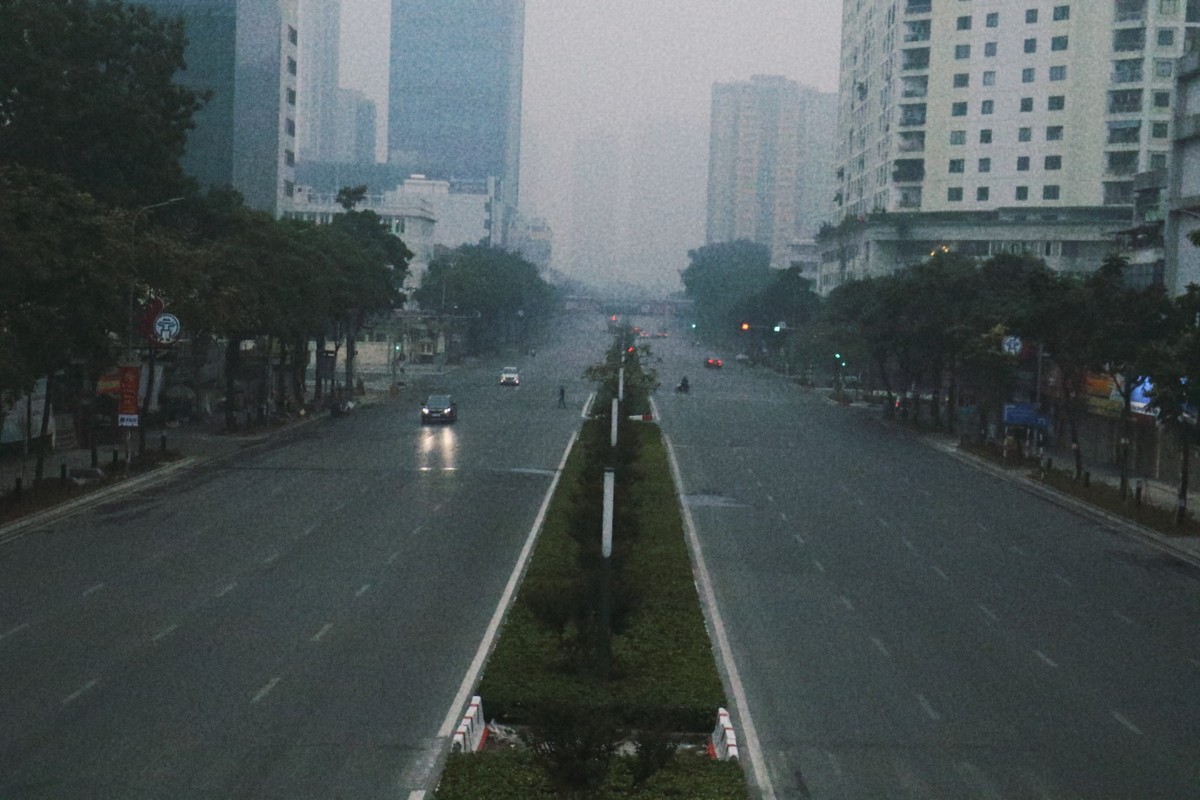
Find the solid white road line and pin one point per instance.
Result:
(92, 589)
(264, 691)
(164, 633)
(226, 589)
(989, 613)
(362, 590)
(319, 635)
(758, 765)
(471, 678)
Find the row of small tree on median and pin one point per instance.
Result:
(938, 329)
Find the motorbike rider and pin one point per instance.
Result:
(683, 384)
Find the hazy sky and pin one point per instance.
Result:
(616, 108)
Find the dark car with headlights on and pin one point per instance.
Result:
(439, 408)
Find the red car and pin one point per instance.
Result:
(714, 363)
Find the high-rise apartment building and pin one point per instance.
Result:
(762, 144)
(1010, 114)
(247, 54)
(953, 105)
(454, 99)
(319, 119)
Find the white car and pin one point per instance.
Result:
(509, 376)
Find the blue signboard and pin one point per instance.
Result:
(1025, 414)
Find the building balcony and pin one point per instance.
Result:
(918, 7)
(1188, 127)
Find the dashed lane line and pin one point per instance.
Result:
(319, 635)
(1124, 720)
(82, 690)
(264, 691)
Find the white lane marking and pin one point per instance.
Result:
(278, 490)
(783, 516)
(770, 499)
(925, 492)
(1124, 720)
(264, 691)
(226, 589)
(1123, 618)
(1018, 550)
(309, 529)
(75, 695)
(417, 529)
(362, 590)
(514, 579)
(392, 558)
(25, 625)
(989, 613)
(339, 508)
(164, 633)
(880, 646)
(363, 489)
(438, 507)
(928, 708)
(271, 558)
(92, 589)
(834, 763)
(883, 522)
(799, 539)
(941, 574)
(981, 526)
(1050, 662)
(758, 765)
(760, 484)
(908, 544)
(419, 794)
(820, 567)
(1063, 579)
(846, 601)
(319, 635)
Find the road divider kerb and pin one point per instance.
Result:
(722, 745)
(472, 733)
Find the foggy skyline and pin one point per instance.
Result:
(638, 73)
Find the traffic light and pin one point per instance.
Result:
(745, 326)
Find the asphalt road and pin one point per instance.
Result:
(907, 626)
(295, 622)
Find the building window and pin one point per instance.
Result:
(958, 165)
(1031, 45)
(1030, 15)
(1059, 42)
(1118, 194)
(989, 77)
(293, 37)
(1022, 193)
(1061, 13)
(1127, 70)
(1058, 73)
(954, 194)
(1050, 192)
(1054, 133)
(1128, 131)
(1166, 37)
(289, 125)
(958, 137)
(985, 165)
(993, 20)
(1056, 102)
(1022, 163)
(962, 51)
(986, 107)
(1160, 130)
(1053, 162)
(289, 188)
(958, 109)
(989, 50)
(1028, 74)
(1122, 162)
(1158, 161)
(981, 194)
(962, 79)
(985, 136)
(1162, 99)
(1129, 39)
(963, 23)
(1168, 6)
(1163, 68)
(1027, 104)
(289, 158)
(291, 65)
(291, 96)
(1024, 134)
(1124, 101)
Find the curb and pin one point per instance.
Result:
(1119, 524)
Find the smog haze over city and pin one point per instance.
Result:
(616, 114)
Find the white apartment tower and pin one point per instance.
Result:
(979, 105)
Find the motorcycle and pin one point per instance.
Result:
(683, 386)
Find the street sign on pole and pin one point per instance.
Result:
(127, 399)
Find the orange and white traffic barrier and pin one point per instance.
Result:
(723, 745)
(472, 732)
